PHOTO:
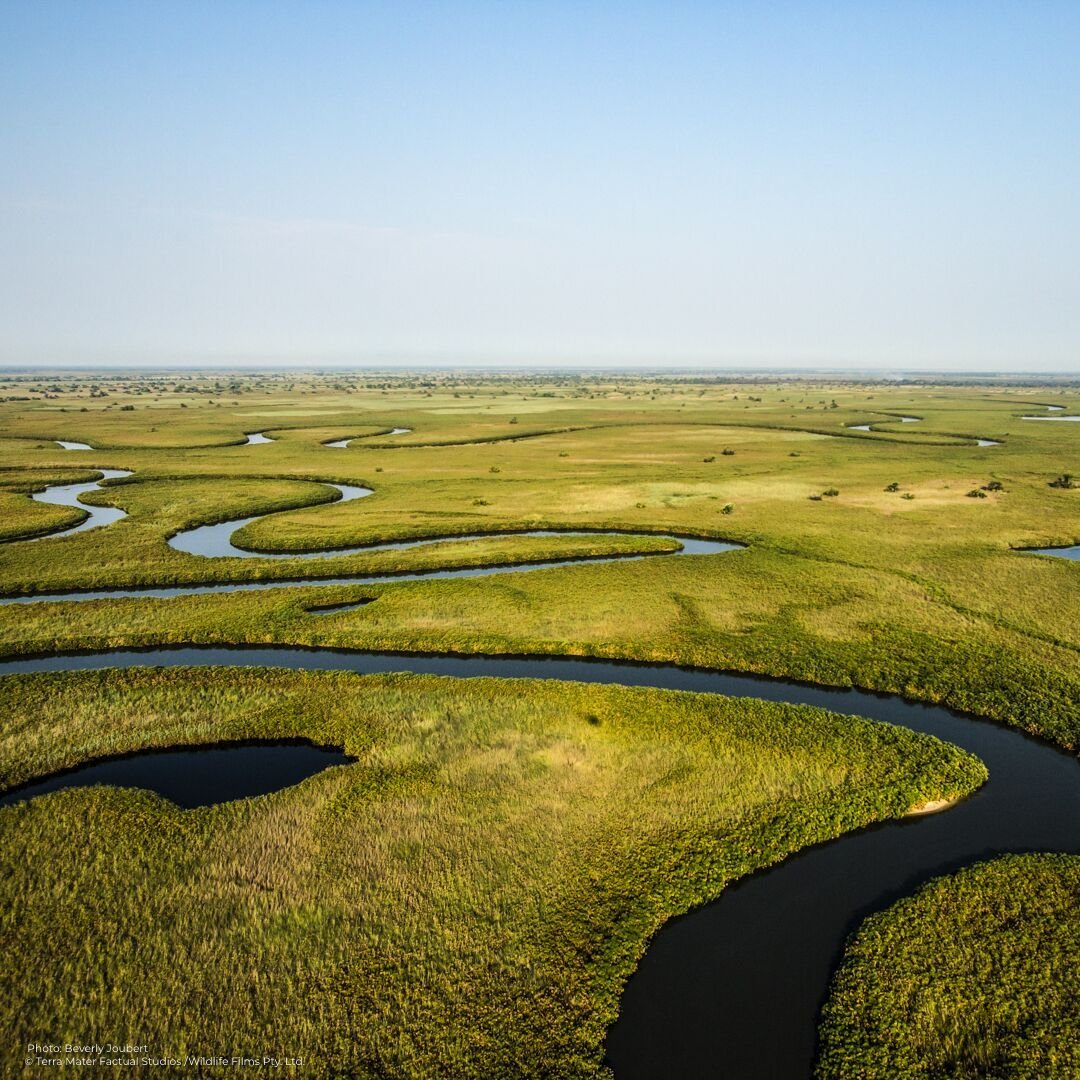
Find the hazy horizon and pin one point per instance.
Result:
(802, 186)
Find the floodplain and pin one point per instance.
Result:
(472, 891)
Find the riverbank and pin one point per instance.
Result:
(492, 866)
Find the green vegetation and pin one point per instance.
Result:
(495, 862)
(466, 899)
(882, 589)
(977, 974)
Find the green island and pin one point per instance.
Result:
(473, 893)
(977, 974)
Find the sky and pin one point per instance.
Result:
(745, 184)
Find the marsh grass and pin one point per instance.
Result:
(925, 596)
(470, 896)
(466, 899)
(977, 974)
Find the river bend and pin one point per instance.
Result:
(741, 981)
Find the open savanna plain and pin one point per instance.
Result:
(471, 895)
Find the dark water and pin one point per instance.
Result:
(196, 776)
(734, 988)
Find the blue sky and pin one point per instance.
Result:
(818, 184)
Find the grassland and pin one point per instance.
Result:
(898, 582)
(977, 974)
(923, 595)
(356, 919)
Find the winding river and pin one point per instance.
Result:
(736, 985)
(340, 444)
(69, 495)
(889, 418)
(215, 541)
(915, 420)
(741, 980)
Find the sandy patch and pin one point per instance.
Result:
(933, 807)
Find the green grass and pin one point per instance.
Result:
(921, 595)
(470, 897)
(977, 974)
(466, 899)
